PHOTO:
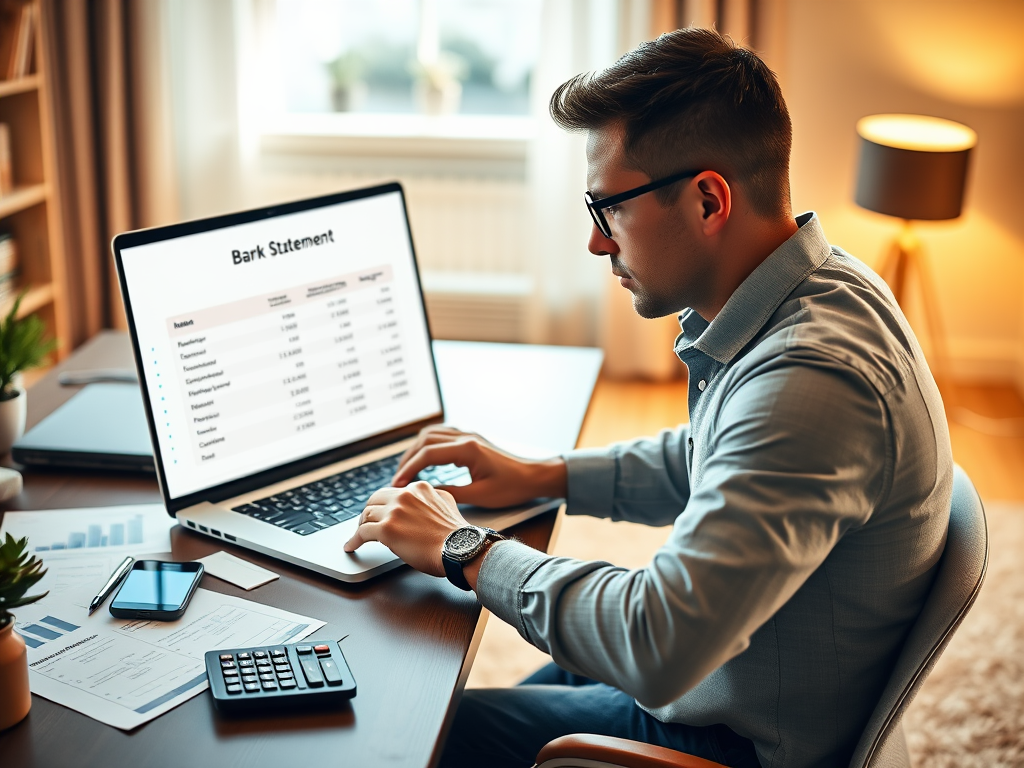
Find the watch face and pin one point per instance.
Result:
(464, 541)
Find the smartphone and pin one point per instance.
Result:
(154, 589)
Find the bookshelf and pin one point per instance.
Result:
(30, 211)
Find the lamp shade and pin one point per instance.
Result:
(912, 166)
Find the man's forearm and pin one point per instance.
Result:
(549, 479)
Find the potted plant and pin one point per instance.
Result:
(23, 345)
(348, 88)
(19, 572)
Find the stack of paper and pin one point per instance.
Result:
(125, 672)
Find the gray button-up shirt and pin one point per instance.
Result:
(808, 498)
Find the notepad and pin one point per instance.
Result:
(237, 571)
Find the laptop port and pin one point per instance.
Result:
(204, 529)
(229, 537)
(215, 532)
(190, 524)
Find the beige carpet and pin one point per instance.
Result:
(970, 712)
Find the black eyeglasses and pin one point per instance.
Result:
(596, 207)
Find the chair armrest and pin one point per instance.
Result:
(621, 752)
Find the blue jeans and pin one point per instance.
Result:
(507, 727)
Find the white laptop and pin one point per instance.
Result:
(285, 364)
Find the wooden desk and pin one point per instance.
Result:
(410, 639)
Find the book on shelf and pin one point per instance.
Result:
(8, 253)
(19, 57)
(8, 267)
(6, 172)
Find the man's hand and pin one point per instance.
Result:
(499, 479)
(412, 522)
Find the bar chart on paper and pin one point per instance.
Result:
(132, 529)
(95, 535)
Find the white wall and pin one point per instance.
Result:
(957, 59)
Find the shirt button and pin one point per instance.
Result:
(701, 385)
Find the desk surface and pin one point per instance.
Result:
(410, 639)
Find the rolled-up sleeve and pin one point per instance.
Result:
(797, 461)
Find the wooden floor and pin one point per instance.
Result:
(621, 410)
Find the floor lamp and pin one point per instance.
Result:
(914, 168)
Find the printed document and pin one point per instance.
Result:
(127, 672)
(118, 531)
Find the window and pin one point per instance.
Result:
(445, 59)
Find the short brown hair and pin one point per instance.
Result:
(691, 97)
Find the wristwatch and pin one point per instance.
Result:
(461, 546)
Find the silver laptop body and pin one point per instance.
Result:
(277, 348)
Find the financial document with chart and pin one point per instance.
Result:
(277, 339)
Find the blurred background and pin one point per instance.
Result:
(177, 109)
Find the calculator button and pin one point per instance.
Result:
(278, 652)
(249, 678)
(286, 684)
(234, 688)
(226, 657)
(245, 663)
(262, 663)
(259, 654)
(285, 675)
(331, 672)
(267, 677)
(227, 665)
(230, 672)
(302, 650)
(312, 672)
(322, 649)
(269, 685)
(244, 655)
(252, 687)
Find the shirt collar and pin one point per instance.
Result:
(757, 297)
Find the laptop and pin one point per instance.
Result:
(285, 364)
(102, 427)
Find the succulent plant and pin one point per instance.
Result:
(19, 572)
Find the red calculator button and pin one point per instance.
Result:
(322, 649)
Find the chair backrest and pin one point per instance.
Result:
(956, 586)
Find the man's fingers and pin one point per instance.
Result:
(458, 452)
(364, 533)
(429, 436)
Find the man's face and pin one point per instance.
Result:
(654, 248)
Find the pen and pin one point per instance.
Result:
(113, 581)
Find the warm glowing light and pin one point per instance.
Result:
(919, 132)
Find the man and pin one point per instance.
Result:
(809, 494)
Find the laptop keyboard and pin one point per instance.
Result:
(323, 503)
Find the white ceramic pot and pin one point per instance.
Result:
(15, 697)
(12, 420)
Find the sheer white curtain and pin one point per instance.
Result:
(577, 36)
(578, 300)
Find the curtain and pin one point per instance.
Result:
(113, 166)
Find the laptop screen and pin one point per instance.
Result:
(272, 340)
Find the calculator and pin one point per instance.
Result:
(274, 676)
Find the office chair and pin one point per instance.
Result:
(882, 745)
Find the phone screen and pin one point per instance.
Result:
(157, 586)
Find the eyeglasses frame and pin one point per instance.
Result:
(597, 206)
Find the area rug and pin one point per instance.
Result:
(970, 711)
